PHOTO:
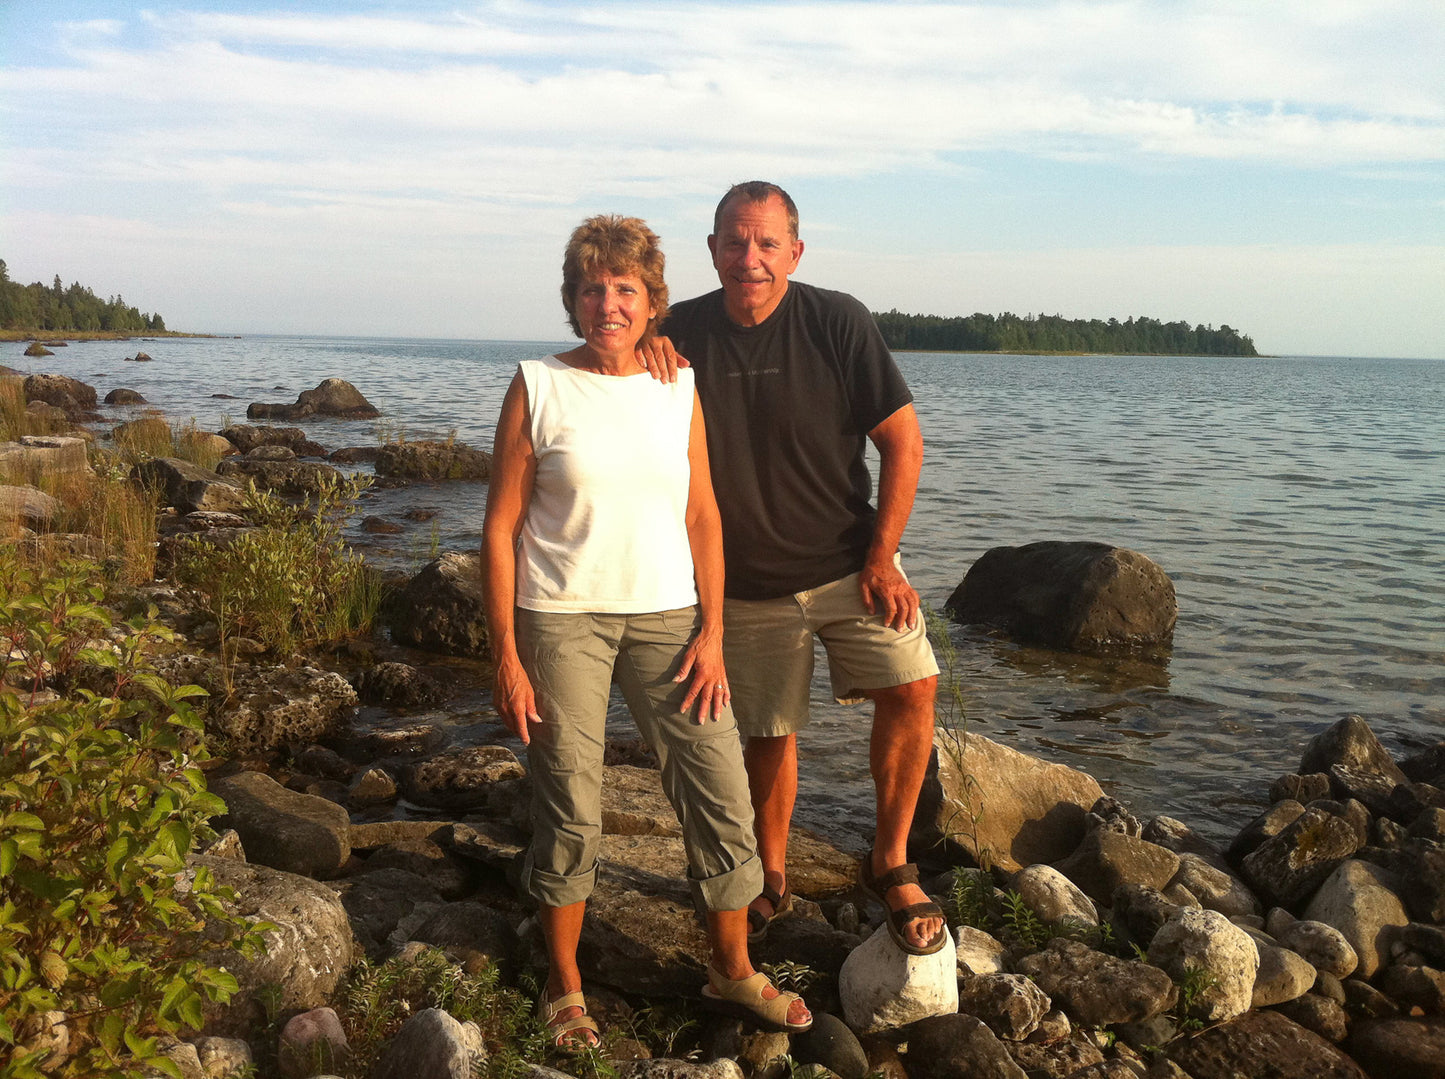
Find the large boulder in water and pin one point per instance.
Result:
(70, 394)
(1075, 596)
(331, 397)
(433, 461)
(441, 609)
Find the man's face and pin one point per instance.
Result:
(753, 253)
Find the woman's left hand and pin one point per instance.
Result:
(703, 662)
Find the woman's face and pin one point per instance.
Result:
(613, 311)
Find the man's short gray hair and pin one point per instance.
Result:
(757, 191)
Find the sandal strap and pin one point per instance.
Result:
(907, 873)
(549, 1008)
(748, 992)
(568, 1026)
(916, 911)
(774, 897)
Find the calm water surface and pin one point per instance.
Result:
(1298, 505)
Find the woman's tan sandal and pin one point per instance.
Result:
(744, 998)
(877, 888)
(579, 1032)
(758, 922)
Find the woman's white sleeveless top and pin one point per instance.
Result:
(606, 527)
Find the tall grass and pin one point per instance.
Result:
(292, 582)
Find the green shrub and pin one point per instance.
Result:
(100, 801)
(292, 583)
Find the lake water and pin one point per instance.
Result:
(1298, 504)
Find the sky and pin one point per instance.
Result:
(414, 169)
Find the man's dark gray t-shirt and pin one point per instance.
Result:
(789, 404)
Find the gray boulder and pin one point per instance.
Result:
(432, 1045)
(32, 457)
(1053, 897)
(398, 684)
(1283, 974)
(1075, 596)
(441, 608)
(122, 396)
(433, 461)
(461, 778)
(189, 487)
(1010, 1004)
(1259, 1044)
(958, 1047)
(271, 707)
(307, 953)
(331, 397)
(1322, 946)
(286, 477)
(1287, 868)
(1358, 900)
(283, 829)
(1400, 1048)
(1351, 743)
(244, 437)
(69, 394)
(1216, 889)
(1095, 989)
(1107, 859)
(28, 507)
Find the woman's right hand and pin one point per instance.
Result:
(515, 701)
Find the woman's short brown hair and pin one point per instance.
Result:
(613, 244)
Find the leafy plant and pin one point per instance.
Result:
(790, 976)
(969, 900)
(1193, 983)
(1021, 924)
(292, 583)
(100, 801)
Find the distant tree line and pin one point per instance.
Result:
(57, 308)
(1052, 333)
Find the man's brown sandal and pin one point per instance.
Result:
(758, 922)
(877, 888)
(744, 998)
(572, 1035)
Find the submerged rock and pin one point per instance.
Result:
(1075, 596)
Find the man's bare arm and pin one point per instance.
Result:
(900, 451)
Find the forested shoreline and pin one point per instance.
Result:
(1053, 333)
(56, 309)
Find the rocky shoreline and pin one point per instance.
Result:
(1090, 944)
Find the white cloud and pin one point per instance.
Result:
(462, 135)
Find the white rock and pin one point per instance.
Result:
(882, 987)
(979, 953)
(1207, 941)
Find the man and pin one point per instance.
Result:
(793, 379)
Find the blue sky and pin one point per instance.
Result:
(414, 168)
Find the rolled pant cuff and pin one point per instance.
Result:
(553, 889)
(732, 890)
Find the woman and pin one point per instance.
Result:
(602, 549)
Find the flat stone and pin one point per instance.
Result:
(1259, 1044)
(1401, 1048)
(1096, 989)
